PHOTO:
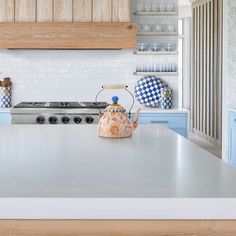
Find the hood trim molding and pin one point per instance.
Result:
(68, 35)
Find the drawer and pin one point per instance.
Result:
(168, 120)
(232, 118)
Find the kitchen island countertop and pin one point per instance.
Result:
(68, 172)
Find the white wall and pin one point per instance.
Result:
(72, 75)
(229, 68)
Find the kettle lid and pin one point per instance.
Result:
(115, 107)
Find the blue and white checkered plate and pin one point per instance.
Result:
(148, 91)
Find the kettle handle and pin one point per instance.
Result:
(116, 86)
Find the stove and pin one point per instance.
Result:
(53, 113)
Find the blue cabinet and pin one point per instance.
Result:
(232, 139)
(177, 122)
(5, 118)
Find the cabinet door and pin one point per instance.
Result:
(178, 122)
(5, 118)
(232, 145)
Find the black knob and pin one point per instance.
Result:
(77, 119)
(65, 119)
(52, 120)
(89, 120)
(40, 120)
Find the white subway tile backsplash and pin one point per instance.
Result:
(63, 75)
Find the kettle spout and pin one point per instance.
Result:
(135, 123)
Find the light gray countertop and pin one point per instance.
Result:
(55, 166)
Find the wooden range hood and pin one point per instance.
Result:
(67, 35)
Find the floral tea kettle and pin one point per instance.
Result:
(114, 123)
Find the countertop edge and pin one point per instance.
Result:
(118, 208)
(231, 109)
(5, 110)
(134, 109)
(159, 110)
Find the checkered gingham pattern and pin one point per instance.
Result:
(148, 91)
(5, 97)
(166, 102)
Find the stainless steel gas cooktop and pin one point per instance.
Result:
(99, 105)
(57, 112)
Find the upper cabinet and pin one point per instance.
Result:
(93, 24)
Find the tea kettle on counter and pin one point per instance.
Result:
(114, 123)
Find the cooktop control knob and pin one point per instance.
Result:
(89, 120)
(77, 120)
(65, 119)
(52, 120)
(40, 120)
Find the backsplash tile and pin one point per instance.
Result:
(72, 75)
(231, 53)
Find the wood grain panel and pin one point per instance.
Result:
(25, 10)
(82, 10)
(102, 10)
(44, 10)
(121, 11)
(118, 227)
(68, 35)
(7, 11)
(63, 10)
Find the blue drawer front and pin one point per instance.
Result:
(177, 122)
(5, 118)
(232, 139)
(232, 118)
(168, 120)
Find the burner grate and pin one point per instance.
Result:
(61, 105)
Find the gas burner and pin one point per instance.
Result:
(57, 112)
(69, 105)
(100, 105)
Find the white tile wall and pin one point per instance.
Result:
(229, 68)
(72, 75)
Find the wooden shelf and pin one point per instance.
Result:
(161, 53)
(156, 73)
(157, 34)
(68, 35)
(144, 13)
